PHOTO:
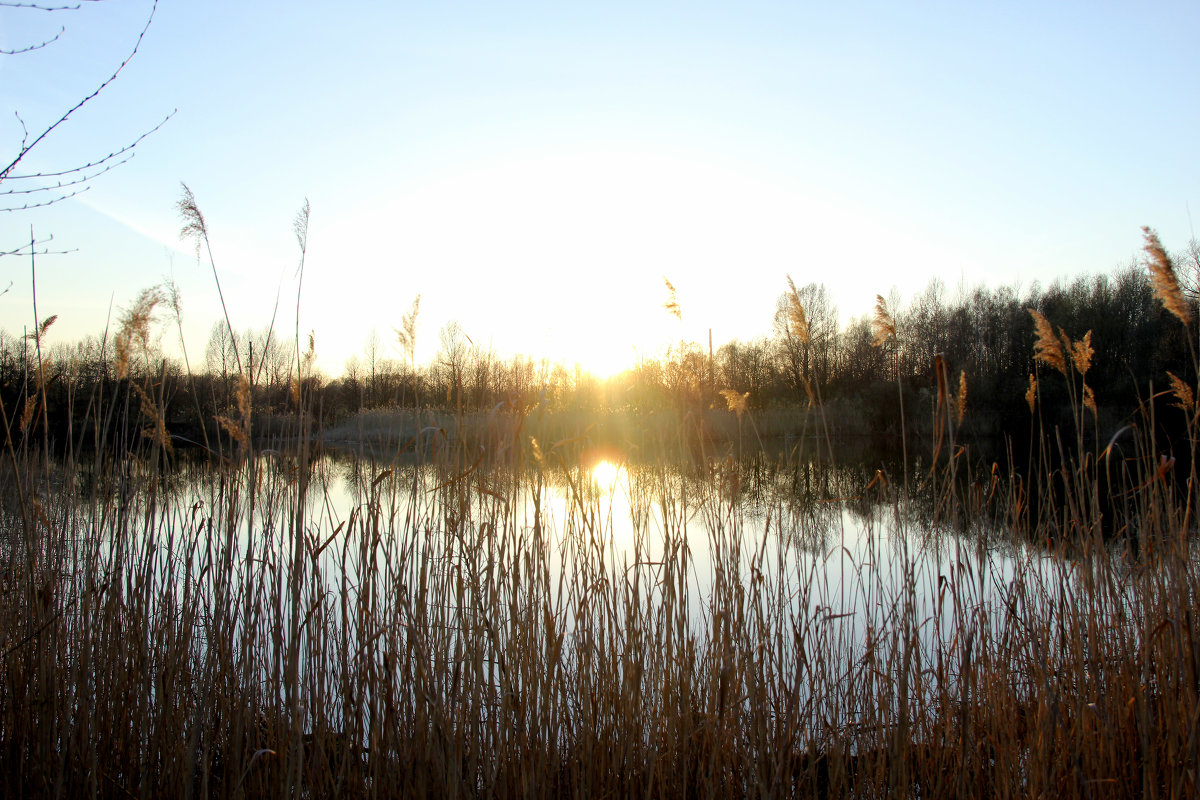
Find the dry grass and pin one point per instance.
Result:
(475, 630)
(484, 621)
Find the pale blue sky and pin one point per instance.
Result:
(534, 169)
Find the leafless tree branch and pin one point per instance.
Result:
(33, 47)
(44, 203)
(82, 167)
(36, 247)
(40, 7)
(28, 144)
(81, 177)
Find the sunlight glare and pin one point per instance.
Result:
(606, 474)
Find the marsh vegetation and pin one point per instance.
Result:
(525, 589)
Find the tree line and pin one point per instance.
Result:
(983, 340)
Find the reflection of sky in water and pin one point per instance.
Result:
(772, 521)
(817, 554)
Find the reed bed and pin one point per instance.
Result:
(500, 628)
(484, 620)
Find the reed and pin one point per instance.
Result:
(484, 620)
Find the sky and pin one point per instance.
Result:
(534, 170)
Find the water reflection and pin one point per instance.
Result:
(606, 475)
(834, 552)
(782, 513)
(843, 523)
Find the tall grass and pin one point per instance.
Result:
(483, 621)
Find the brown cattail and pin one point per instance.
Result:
(1048, 347)
(1031, 392)
(1162, 276)
(961, 399)
(939, 369)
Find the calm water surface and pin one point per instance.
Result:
(837, 536)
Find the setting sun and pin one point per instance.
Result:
(574, 399)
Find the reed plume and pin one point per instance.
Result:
(1162, 276)
(1031, 392)
(672, 304)
(28, 413)
(310, 354)
(1089, 399)
(134, 327)
(797, 322)
(1082, 352)
(157, 429)
(39, 332)
(406, 334)
(300, 228)
(195, 227)
(736, 401)
(239, 429)
(1184, 398)
(1048, 348)
(883, 325)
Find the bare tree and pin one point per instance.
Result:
(452, 357)
(220, 355)
(372, 351)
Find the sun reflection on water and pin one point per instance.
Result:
(606, 475)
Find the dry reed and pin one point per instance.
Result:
(476, 631)
(1048, 347)
(797, 322)
(1162, 277)
(672, 303)
(497, 625)
(883, 325)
